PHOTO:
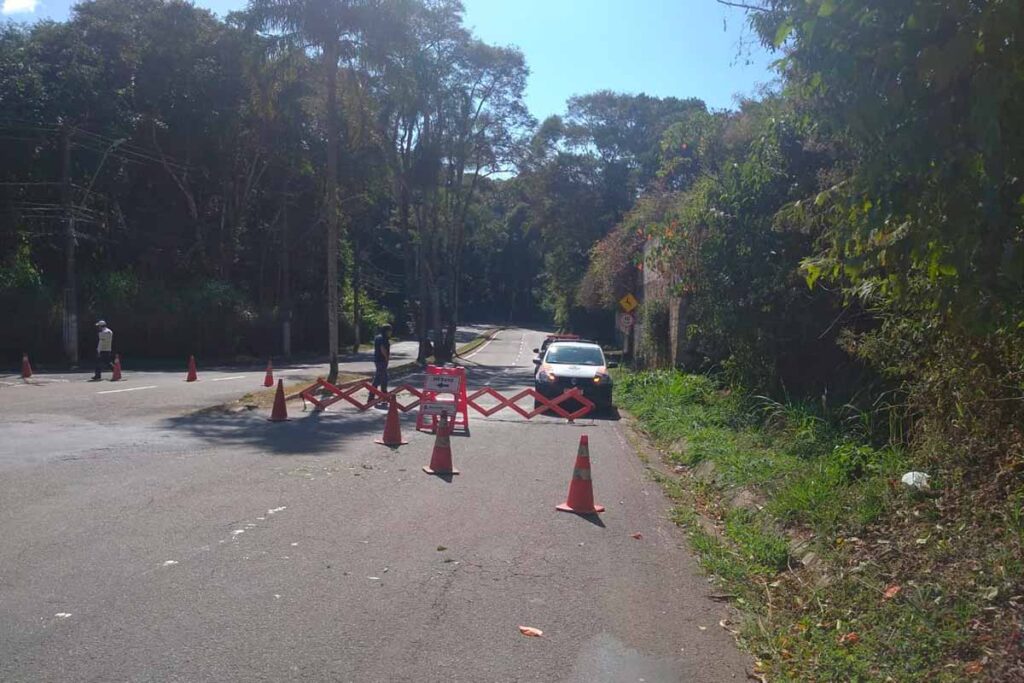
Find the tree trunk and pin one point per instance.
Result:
(440, 357)
(286, 295)
(331, 206)
(356, 313)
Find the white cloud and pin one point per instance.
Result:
(16, 6)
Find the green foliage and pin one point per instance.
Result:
(654, 332)
(816, 476)
(213, 169)
(18, 271)
(916, 577)
(761, 545)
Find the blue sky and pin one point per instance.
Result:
(685, 48)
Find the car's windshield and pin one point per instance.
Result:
(575, 355)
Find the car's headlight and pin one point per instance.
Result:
(545, 374)
(601, 378)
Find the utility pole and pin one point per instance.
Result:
(356, 313)
(286, 296)
(70, 326)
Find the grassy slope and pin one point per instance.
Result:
(844, 572)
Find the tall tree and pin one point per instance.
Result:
(333, 31)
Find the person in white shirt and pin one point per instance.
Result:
(104, 346)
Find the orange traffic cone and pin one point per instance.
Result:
(115, 376)
(280, 411)
(392, 429)
(268, 381)
(192, 376)
(441, 457)
(26, 367)
(581, 490)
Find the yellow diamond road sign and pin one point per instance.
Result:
(628, 303)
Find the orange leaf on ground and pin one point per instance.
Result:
(974, 667)
(637, 535)
(850, 638)
(531, 631)
(892, 591)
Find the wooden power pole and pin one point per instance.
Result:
(70, 326)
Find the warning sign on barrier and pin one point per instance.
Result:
(436, 407)
(442, 384)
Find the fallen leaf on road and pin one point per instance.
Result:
(703, 628)
(441, 548)
(724, 623)
(531, 631)
(637, 535)
(850, 638)
(892, 591)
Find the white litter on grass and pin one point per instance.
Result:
(917, 480)
(272, 511)
(237, 531)
(62, 615)
(169, 563)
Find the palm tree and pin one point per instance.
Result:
(332, 30)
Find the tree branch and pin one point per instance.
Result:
(752, 8)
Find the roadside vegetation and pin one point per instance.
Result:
(836, 265)
(843, 572)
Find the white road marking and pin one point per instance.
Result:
(482, 347)
(118, 391)
(225, 379)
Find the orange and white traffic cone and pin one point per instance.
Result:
(26, 367)
(192, 376)
(441, 457)
(115, 376)
(280, 411)
(581, 488)
(392, 429)
(268, 381)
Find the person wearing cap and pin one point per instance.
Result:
(104, 346)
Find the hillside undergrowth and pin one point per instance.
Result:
(843, 572)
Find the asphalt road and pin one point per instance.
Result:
(205, 546)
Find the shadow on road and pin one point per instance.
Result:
(307, 433)
(593, 518)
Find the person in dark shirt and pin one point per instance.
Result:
(381, 357)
